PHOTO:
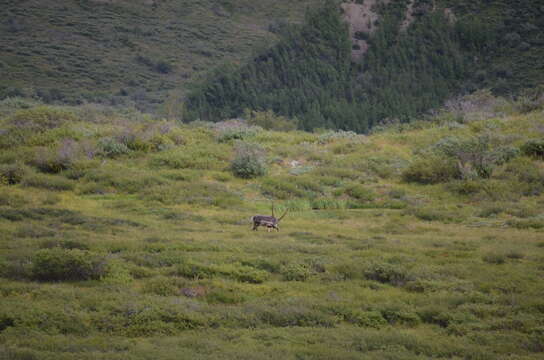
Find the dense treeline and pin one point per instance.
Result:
(309, 69)
(310, 75)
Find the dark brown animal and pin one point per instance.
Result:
(271, 222)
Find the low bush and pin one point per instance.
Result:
(40, 118)
(494, 258)
(11, 174)
(234, 130)
(431, 170)
(534, 148)
(111, 147)
(367, 319)
(249, 161)
(360, 193)
(392, 274)
(58, 264)
(432, 214)
(296, 272)
(162, 286)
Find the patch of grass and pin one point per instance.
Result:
(48, 182)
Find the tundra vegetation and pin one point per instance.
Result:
(127, 237)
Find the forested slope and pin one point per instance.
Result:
(448, 49)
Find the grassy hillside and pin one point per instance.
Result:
(125, 51)
(125, 238)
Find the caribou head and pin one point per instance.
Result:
(271, 222)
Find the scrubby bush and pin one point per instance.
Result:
(360, 193)
(110, 147)
(234, 130)
(534, 148)
(431, 170)
(11, 174)
(494, 258)
(387, 273)
(475, 156)
(249, 161)
(60, 264)
(40, 118)
(270, 121)
(296, 272)
(162, 286)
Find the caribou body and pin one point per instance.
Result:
(271, 222)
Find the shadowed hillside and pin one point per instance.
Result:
(127, 52)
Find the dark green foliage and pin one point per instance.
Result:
(310, 74)
(360, 193)
(110, 147)
(11, 174)
(249, 161)
(296, 272)
(534, 148)
(431, 170)
(60, 264)
(279, 79)
(41, 118)
(393, 274)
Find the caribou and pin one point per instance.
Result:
(271, 222)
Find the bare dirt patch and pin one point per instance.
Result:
(362, 19)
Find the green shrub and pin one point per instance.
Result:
(49, 182)
(360, 193)
(204, 157)
(234, 130)
(40, 118)
(431, 170)
(387, 273)
(367, 319)
(61, 264)
(296, 272)
(162, 286)
(534, 148)
(194, 271)
(243, 273)
(249, 161)
(433, 214)
(494, 258)
(533, 223)
(11, 174)
(110, 147)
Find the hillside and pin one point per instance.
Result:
(128, 51)
(394, 62)
(212, 60)
(124, 237)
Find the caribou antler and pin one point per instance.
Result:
(285, 213)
